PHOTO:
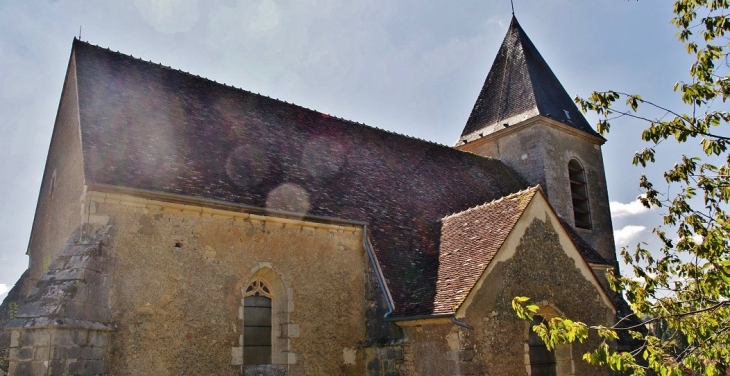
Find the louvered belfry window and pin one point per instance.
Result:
(579, 194)
(542, 361)
(257, 324)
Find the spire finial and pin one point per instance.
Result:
(513, 6)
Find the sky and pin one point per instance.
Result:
(411, 67)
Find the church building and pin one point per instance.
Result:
(187, 227)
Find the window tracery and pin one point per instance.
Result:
(257, 306)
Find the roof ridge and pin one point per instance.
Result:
(534, 188)
(353, 122)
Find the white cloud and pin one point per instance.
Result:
(3, 290)
(696, 237)
(619, 209)
(627, 234)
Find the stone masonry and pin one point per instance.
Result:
(62, 326)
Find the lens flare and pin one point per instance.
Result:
(289, 197)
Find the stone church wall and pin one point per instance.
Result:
(542, 271)
(178, 280)
(58, 212)
(560, 148)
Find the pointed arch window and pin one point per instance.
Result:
(542, 360)
(579, 194)
(257, 323)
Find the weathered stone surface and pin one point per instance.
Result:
(177, 291)
(69, 291)
(541, 270)
(267, 370)
(56, 325)
(58, 211)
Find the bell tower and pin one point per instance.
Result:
(524, 117)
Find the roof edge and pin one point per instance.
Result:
(486, 204)
(474, 140)
(71, 59)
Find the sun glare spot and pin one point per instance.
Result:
(323, 158)
(246, 165)
(289, 197)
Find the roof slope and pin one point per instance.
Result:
(145, 126)
(469, 241)
(521, 83)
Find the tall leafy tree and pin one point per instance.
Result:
(681, 289)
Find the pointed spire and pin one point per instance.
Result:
(519, 86)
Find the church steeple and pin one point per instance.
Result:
(524, 118)
(519, 86)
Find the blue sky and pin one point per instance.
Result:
(412, 67)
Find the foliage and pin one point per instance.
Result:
(12, 310)
(683, 288)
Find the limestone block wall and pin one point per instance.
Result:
(62, 327)
(388, 360)
(179, 274)
(560, 149)
(58, 212)
(59, 351)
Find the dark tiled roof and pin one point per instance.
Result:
(144, 126)
(469, 241)
(520, 81)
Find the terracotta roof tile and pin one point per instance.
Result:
(469, 241)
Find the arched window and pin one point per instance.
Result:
(257, 323)
(579, 194)
(264, 343)
(542, 361)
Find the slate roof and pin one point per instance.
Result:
(521, 82)
(145, 126)
(149, 127)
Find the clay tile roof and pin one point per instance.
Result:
(469, 241)
(148, 127)
(521, 82)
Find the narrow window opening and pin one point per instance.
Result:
(579, 195)
(52, 184)
(542, 361)
(257, 324)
